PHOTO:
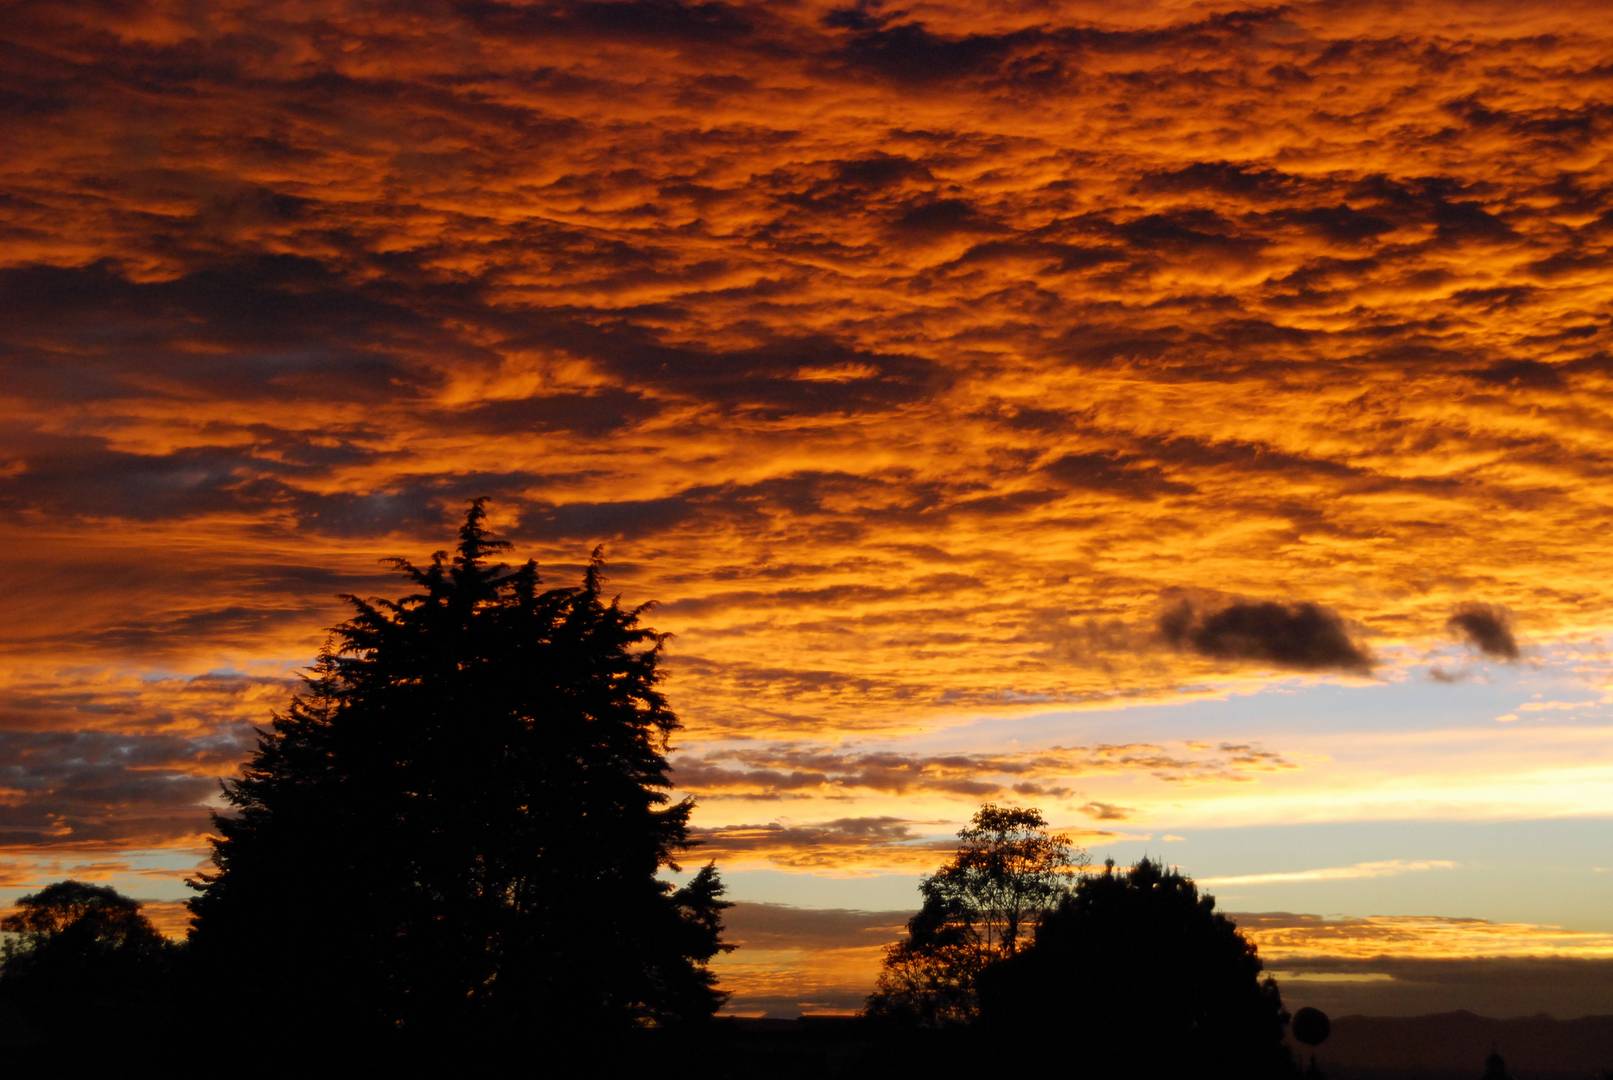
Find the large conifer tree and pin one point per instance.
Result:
(459, 825)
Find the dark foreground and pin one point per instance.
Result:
(1449, 1046)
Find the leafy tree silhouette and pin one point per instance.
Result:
(83, 957)
(459, 825)
(1142, 970)
(977, 908)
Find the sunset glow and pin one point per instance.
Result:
(1194, 420)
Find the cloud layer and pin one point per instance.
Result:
(915, 359)
(905, 393)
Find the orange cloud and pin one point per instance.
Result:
(1283, 938)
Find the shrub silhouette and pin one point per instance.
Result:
(457, 827)
(1146, 977)
(977, 909)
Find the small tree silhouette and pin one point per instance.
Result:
(1142, 965)
(459, 825)
(83, 957)
(977, 909)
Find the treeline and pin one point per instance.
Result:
(456, 836)
(1017, 954)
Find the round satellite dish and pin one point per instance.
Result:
(1311, 1026)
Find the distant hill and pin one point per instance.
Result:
(1456, 1044)
(1444, 1046)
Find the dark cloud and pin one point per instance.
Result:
(1521, 374)
(1487, 628)
(797, 769)
(206, 704)
(1498, 298)
(1114, 472)
(881, 170)
(812, 374)
(413, 505)
(836, 504)
(594, 415)
(912, 53)
(854, 186)
(936, 218)
(863, 15)
(601, 520)
(702, 23)
(221, 626)
(1461, 222)
(781, 770)
(839, 843)
(1052, 257)
(696, 24)
(1341, 224)
(1239, 457)
(73, 789)
(294, 326)
(1303, 636)
(1254, 182)
(376, 513)
(784, 926)
(1107, 811)
(82, 477)
(1190, 231)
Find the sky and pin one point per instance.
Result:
(1190, 419)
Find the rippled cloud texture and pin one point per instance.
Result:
(927, 362)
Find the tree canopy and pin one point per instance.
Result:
(462, 821)
(977, 909)
(1142, 964)
(78, 955)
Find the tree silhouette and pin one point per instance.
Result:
(80, 956)
(459, 824)
(1142, 965)
(1495, 1067)
(977, 908)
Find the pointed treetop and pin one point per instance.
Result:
(475, 540)
(594, 576)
